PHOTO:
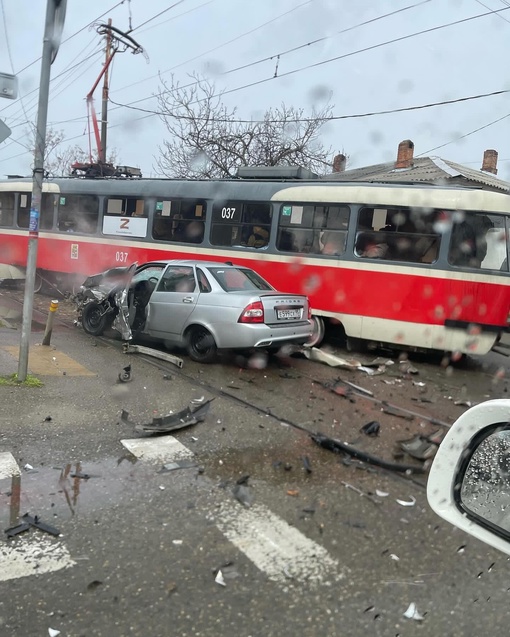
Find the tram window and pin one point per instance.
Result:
(313, 229)
(48, 204)
(478, 241)
(398, 234)
(236, 223)
(125, 207)
(78, 213)
(180, 220)
(6, 209)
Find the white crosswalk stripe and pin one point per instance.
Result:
(276, 548)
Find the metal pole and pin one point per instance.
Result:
(33, 236)
(104, 108)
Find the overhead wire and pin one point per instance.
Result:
(275, 55)
(328, 118)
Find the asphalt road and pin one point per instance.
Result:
(320, 550)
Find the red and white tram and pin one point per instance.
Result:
(422, 267)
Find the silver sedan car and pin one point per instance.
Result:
(202, 306)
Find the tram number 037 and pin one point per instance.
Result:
(121, 257)
(228, 213)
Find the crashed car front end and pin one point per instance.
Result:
(108, 292)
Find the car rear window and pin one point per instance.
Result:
(234, 279)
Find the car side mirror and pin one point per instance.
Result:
(469, 480)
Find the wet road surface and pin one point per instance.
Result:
(320, 552)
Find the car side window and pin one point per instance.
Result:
(177, 279)
(203, 283)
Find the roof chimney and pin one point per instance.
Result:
(490, 162)
(339, 162)
(405, 154)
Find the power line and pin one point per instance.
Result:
(466, 135)
(275, 55)
(196, 57)
(311, 119)
(157, 15)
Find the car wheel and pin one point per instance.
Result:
(93, 319)
(319, 329)
(200, 345)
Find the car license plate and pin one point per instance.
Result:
(288, 314)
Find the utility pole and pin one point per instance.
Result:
(104, 109)
(55, 16)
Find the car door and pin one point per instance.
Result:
(172, 302)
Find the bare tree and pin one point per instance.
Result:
(59, 158)
(207, 140)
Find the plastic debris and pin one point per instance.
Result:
(293, 492)
(322, 356)
(412, 613)
(419, 447)
(78, 474)
(16, 530)
(52, 632)
(394, 557)
(171, 422)
(28, 467)
(177, 542)
(381, 494)
(125, 374)
(366, 495)
(418, 383)
(179, 464)
(243, 492)
(219, 579)
(464, 403)
(306, 464)
(371, 428)
(407, 503)
(337, 446)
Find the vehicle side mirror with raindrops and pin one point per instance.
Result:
(469, 481)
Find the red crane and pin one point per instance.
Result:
(101, 168)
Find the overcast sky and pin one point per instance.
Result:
(214, 37)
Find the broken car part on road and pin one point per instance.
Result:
(171, 422)
(128, 348)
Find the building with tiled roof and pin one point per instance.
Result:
(414, 170)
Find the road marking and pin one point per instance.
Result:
(29, 553)
(163, 448)
(277, 549)
(46, 361)
(8, 466)
(32, 555)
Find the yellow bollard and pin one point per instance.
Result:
(49, 323)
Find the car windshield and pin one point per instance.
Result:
(234, 279)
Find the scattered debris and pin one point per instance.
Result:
(52, 632)
(464, 403)
(407, 368)
(293, 492)
(306, 464)
(322, 356)
(371, 428)
(418, 383)
(407, 503)
(219, 579)
(243, 492)
(394, 557)
(177, 542)
(342, 447)
(78, 474)
(381, 494)
(366, 495)
(412, 613)
(149, 351)
(396, 411)
(28, 467)
(171, 422)
(179, 464)
(125, 374)
(16, 530)
(419, 447)
(27, 522)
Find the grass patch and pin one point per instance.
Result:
(12, 379)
